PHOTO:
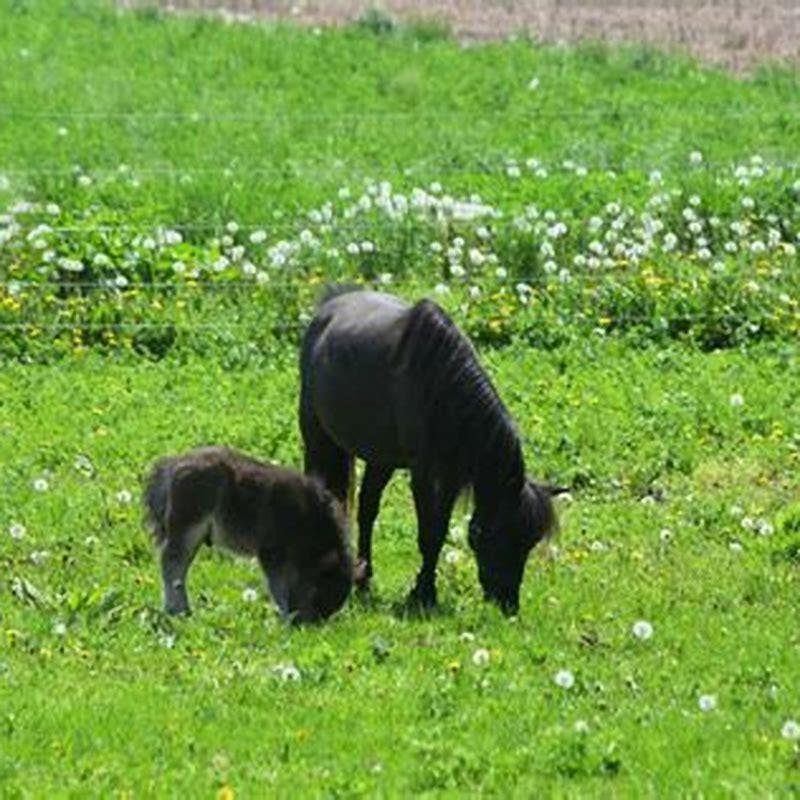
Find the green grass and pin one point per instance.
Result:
(396, 706)
(620, 373)
(293, 115)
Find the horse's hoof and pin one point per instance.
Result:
(362, 573)
(421, 600)
(178, 611)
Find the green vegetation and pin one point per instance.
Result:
(619, 239)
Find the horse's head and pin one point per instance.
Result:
(313, 592)
(503, 539)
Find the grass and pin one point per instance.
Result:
(129, 700)
(676, 424)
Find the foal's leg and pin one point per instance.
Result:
(376, 477)
(434, 506)
(177, 554)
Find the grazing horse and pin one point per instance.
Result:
(287, 520)
(400, 386)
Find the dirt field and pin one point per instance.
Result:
(736, 33)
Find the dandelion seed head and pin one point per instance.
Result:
(480, 658)
(707, 702)
(16, 530)
(791, 730)
(642, 629)
(249, 595)
(41, 485)
(564, 678)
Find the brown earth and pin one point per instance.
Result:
(735, 33)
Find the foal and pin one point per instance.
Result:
(283, 518)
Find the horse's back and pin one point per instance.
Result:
(349, 373)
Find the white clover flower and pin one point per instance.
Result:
(564, 275)
(84, 180)
(730, 247)
(695, 158)
(262, 277)
(16, 530)
(249, 269)
(791, 730)
(707, 702)
(258, 236)
(457, 271)
(564, 678)
(289, 672)
(178, 267)
(748, 523)
(436, 247)
(167, 640)
(655, 178)
(513, 171)
(704, 254)
(39, 557)
(737, 400)
(70, 264)
(533, 85)
(501, 273)
(458, 242)
(221, 264)
(60, 629)
(172, 238)
(476, 257)
(441, 289)
(480, 658)
(84, 465)
(474, 292)
(483, 232)
(642, 629)
(764, 527)
(353, 249)
(41, 485)
(124, 497)
(53, 209)
(597, 546)
(249, 595)
(452, 556)
(666, 535)
(435, 187)
(748, 203)
(757, 247)
(232, 227)
(581, 172)
(62, 131)
(225, 241)
(581, 726)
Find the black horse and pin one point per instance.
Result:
(400, 386)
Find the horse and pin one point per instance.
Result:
(400, 387)
(285, 519)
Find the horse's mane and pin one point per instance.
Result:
(469, 435)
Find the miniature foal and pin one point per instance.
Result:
(286, 520)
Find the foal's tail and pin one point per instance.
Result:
(156, 497)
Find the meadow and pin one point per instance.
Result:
(617, 231)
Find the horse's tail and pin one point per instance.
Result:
(156, 497)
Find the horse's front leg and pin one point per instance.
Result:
(369, 498)
(434, 505)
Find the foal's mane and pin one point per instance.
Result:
(469, 435)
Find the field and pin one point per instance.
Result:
(617, 231)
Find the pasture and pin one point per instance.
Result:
(617, 231)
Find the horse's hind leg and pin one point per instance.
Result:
(177, 554)
(324, 458)
(369, 499)
(434, 505)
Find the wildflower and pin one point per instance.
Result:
(642, 629)
(735, 547)
(353, 249)
(480, 658)
(385, 278)
(476, 257)
(501, 273)
(289, 672)
(457, 271)
(436, 247)
(167, 640)
(258, 237)
(791, 730)
(665, 536)
(581, 726)
(178, 267)
(62, 131)
(41, 485)
(84, 180)
(707, 702)
(474, 292)
(249, 269)
(124, 496)
(737, 400)
(513, 171)
(467, 636)
(249, 595)
(70, 264)
(564, 678)
(441, 288)
(597, 546)
(38, 557)
(655, 177)
(748, 203)
(60, 629)
(16, 530)
(262, 277)
(534, 84)
(765, 527)
(748, 523)
(452, 556)
(695, 158)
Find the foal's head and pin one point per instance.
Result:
(503, 538)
